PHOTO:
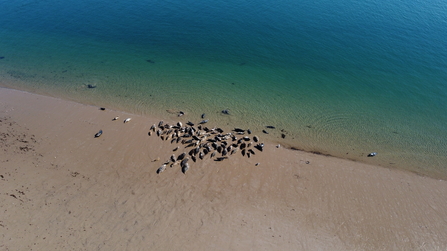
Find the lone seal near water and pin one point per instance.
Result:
(372, 154)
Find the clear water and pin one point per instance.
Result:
(343, 78)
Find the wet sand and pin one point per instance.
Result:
(64, 189)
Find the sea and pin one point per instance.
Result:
(335, 77)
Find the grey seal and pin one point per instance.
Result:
(98, 134)
(161, 169)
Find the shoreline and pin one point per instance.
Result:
(275, 138)
(66, 189)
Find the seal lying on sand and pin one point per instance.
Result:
(161, 169)
(98, 134)
(185, 168)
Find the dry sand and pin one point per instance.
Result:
(63, 189)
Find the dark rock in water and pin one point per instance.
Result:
(264, 131)
(372, 154)
(102, 109)
(270, 127)
(98, 134)
(226, 112)
(91, 86)
(283, 135)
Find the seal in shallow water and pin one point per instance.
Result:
(372, 154)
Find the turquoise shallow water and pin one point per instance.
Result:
(338, 77)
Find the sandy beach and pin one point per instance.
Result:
(64, 189)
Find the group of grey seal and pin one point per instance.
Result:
(200, 141)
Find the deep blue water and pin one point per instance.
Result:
(339, 77)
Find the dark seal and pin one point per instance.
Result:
(98, 134)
